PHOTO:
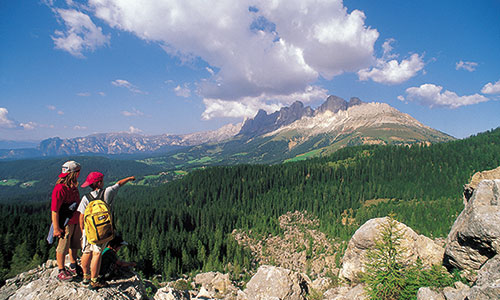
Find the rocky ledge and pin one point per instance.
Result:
(41, 283)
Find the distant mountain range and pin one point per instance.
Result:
(292, 132)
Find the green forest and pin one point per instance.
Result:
(184, 226)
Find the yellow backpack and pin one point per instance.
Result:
(98, 221)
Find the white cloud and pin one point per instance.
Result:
(78, 127)
(183, 91)
(216, 108)
(275, 49)
(249, 106)
(466, 65)
(387, 47)
(132, 129)
(29, 125)
(491, 88)
(210, 70)
(81, 34)
(101, 94)
(5, 122)
(431, 95)
(84, 94)
(133, 113)
(401, 98)
(53, 108)
(128, 85)
(389, 71)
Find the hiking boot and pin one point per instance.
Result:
(76, 271)
(86, 279)
(95, 285)
(64, 275)
(71, 271)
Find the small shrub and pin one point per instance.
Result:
(314, 295)
(182, 285)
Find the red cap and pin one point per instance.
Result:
(93, 177)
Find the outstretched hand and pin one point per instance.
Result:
(125, 180)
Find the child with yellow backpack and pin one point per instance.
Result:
(96, 224)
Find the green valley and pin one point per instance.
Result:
(185, 225)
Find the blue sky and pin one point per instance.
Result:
(74, 68)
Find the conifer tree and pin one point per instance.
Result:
(384, 276)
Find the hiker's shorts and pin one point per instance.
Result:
(94, 248)
(71, 239)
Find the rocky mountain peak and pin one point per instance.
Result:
(336, 104)
(333, 104)
(263, 122)
(354, 101)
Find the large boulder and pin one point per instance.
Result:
(356, 293)
(214, 282)
(414, 246)
(169, 293)
(477, 178)
(487, 285)
(475, 235)
(426, 293)
(276, 283)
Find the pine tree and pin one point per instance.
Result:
(384, 275)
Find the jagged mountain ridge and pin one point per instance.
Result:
(293, 131)
(120, 143)
(263, 123)
(358, 120)
(335, 124)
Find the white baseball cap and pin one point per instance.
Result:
(68, 167)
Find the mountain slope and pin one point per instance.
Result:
(334, 125)
(367, 123)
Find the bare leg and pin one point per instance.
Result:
(86, 257)
(60, 260)
(73, 254)
(95, 265)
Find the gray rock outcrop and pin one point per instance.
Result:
(214, 282)
(459, 292)
(426, 293)
(487, 285)
(414, 247)
(263, 122)
(346, 293)
(41, 284)
(276, 283)
(168, 293)
(475, 235)
(476, 179)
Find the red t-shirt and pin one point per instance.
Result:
(63, 194)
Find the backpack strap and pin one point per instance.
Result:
(100, 196)
(105, 250)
